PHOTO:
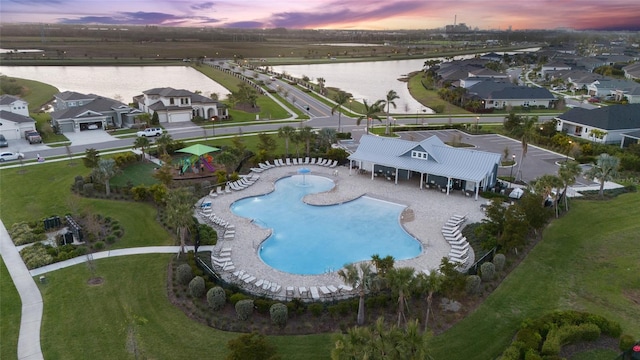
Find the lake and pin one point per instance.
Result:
(117, 82)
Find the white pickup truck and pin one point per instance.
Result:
(150, 132)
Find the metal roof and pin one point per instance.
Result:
(457, 163)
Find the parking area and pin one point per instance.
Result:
(538, 161)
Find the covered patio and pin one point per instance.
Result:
(438, 165)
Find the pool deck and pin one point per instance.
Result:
(427, 211)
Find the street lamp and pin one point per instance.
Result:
(350, 101)
(213, 125)
(513, 160)
(477, 121)
(568, 151)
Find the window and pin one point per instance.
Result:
(419, 155)
(171, 101)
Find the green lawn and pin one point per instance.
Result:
(430, 98)
(138, 173)
(35, 92)
(587, 261)
(10, 310)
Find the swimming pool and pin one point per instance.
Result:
(309, 239)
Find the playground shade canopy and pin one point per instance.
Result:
(199, 149)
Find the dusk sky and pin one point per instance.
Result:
(331, 14)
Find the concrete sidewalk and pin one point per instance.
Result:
(32, 304)
(30, 321)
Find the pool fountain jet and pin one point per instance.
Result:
(303, 171)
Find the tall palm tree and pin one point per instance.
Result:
(429, 284)
(391, 96)
(142, 143)
(340, 98)
(544, 186)
(286, 132)
(361, 280)
(229, 160)
(400, 280)
(527, 130)
(306, 135)
(605, 169)
(371, 112)
(321, 82)
(568, 172)
(326, 137)
(180, 212)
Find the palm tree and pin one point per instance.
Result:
(400, 280)
(229, 160)
(391, 96)
(141, 143)
(180, 212)
(340, 98)
(306, 135)
(326, 137)
(370, 113)
(361, 280)
(104, 171)
(544, 186)
(321, 82)
(286, 132)
(605, 169)
(430, 284)
(527, 130)
(568, 172)
(163, 142)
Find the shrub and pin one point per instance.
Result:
(473, 284)
(316, 309)
(487, 271)
(279, 314)
(216, 298)
(569, 334)
(626, 342)
(88, 189)
(498, 261)
(21, 233)
(263, 305)
(184, 274)
(36, 256)
(99, 245)
(511, 353)
(140, 193)
(235, 298)
(244, 309)
(532, 355)
(196, 287)
(110, 239)
(529, 338)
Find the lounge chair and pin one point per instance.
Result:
(303, 291)
(452, 222)
(454, 238)
(459, 260)
(320, 162)
(279, 162)
(458, 253)
(258, 170)
(314, 293)
(295, 161)
(219, 190)
(306, 160)
(324, 290)
(289, 291)
(250, 279)
(300, 161)
(332, 288)
(264, 166)
(288, 161)
(270, 165)
(227, 189)
(461, 242)
(463, 247)
(334, 164)
(459, 217)
(313, 161)
(259, 283)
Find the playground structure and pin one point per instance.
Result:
(200, 160)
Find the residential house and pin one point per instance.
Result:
(174, 105)
(632, 71)
(608, 86)
(607, 124)
(77, 112)
(436, 164)
(14, 117)
(503, 94)
(554, 66)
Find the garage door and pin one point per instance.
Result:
(67, 127)
(10, 134)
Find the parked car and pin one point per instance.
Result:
(150, 132)
(594, 100)
(32, 136)
(92, 127)
(3, 141)
(9, 155)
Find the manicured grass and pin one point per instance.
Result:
(35, 92)
(83, 321)
(430, 98)
(587, 261)
(600, 354)
(139, 173)
(10, 314)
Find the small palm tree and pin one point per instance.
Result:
(371, 112)
(568, 172)
(340, 98)
(180, 212)
(104, 171)
(527, 130)
(361, 279)
(306, 134)
(286, 132)
(142, 143)
(163, 142)
(605, 169)
(429, 284)
(391, 96)
(400, 280)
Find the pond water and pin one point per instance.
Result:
(117, 82)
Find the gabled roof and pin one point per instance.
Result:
(72, 95)
(458, 163)
(9, 99)
(17, 118)
(97, 106)
(499, 90)
(615, 117)
(169, 92)
(613, 84)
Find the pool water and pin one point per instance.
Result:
(308, 239)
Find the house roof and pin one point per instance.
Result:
(99, 105)
(169, 92)
(613, 84)
(633, 134)
(443, 160)
(615, 117)
(17, 118)
(72, 95)
(505, 90)
(9, 99)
